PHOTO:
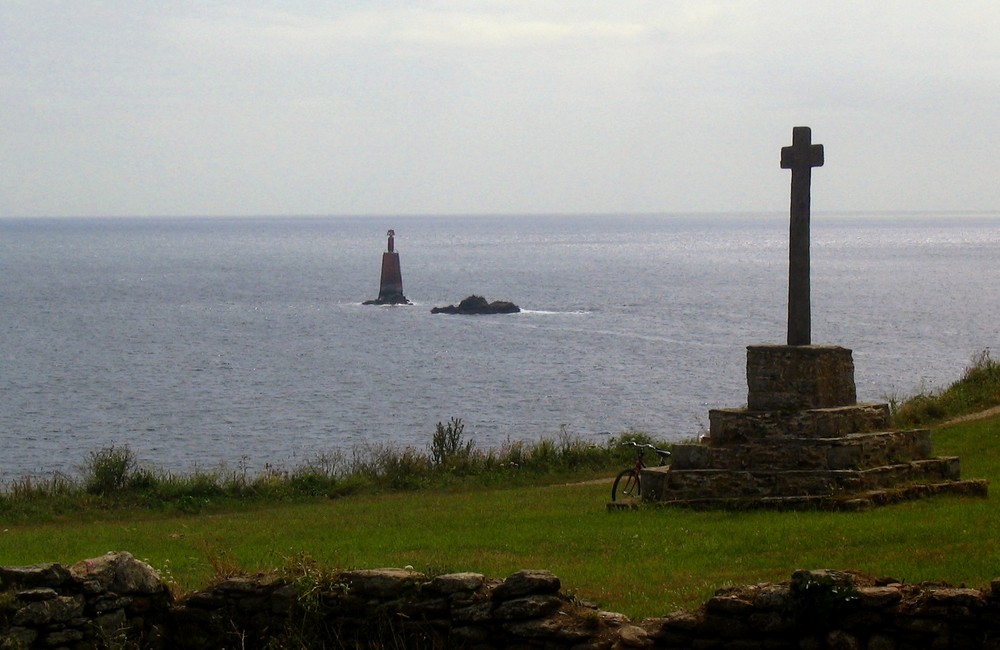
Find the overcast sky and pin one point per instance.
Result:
(259, 107)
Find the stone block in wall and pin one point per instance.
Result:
(35, 575)
(119, 573)
(58, 609)
(455, 583)
(380, 582)
(526, 582)
(797, 377)
(536, 606)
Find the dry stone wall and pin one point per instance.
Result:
(116, 601)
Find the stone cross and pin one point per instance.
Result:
(801, 157)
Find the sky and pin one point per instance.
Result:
(301, 107)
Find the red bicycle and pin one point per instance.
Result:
(628, 482)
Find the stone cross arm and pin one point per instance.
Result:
(802, 155)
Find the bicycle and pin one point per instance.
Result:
(628, 482)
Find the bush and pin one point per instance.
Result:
(447, 444)
(114, 470)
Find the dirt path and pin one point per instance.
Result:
(988, 413)
(596, 481)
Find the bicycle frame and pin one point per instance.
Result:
(630, 480)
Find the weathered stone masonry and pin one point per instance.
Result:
(118, 601)
(804, 441)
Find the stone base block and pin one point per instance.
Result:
(671, 484)
(796, 377)
(803, 439)
(740, 425)
(849, 502)
(856, 451)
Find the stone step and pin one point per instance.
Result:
(660, 484)
(739, 425)
(854, 451)
(857, 501)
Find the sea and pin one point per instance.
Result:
(219, 342)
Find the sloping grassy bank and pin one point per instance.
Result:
(976, 390)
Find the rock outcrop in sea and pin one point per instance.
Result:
(477, 305)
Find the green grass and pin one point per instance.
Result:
(642, 563)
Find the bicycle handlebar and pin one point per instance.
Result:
(661, 452)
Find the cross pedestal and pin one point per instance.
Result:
(789, 378)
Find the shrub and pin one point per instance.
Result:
(447, 443)
(111, 470)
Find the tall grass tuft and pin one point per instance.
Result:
(978, 389)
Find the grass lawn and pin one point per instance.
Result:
(642, 563)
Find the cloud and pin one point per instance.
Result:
(484, 106)
(283, 33)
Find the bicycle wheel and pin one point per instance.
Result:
(626, 485)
